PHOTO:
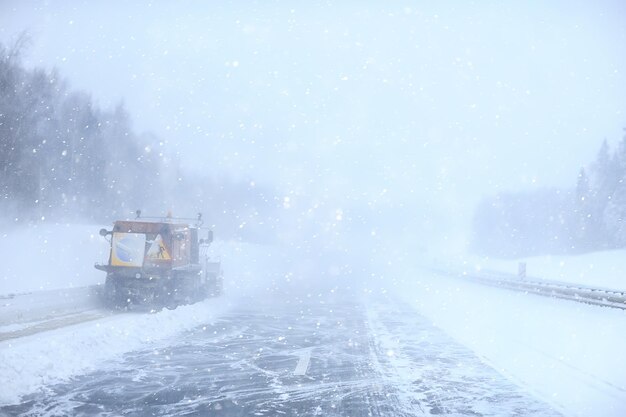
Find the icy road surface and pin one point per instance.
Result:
(306, 356)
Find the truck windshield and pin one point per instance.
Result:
(128, 249)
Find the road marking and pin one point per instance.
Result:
(303, 362)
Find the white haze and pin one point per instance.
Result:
(411, 110)
(362, 134)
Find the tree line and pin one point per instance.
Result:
(62, 155)
(62, 158)
(588, 217)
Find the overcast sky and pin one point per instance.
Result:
(424, 105)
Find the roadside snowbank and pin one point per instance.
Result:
(51, 259)
(29, 364)
(569, 354)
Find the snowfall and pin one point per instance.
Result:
(568, 354)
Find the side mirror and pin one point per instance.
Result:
(104, 232)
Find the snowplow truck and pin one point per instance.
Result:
(158, 264)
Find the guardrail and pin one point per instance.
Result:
(605, 297)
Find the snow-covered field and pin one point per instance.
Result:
(598, 269)
(51, 256)
(568, 354)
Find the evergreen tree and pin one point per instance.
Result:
(60, 154)
(604, 181)
(619, 161)
(582, 211)
(614, 216)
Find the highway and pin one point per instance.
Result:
(339, 354)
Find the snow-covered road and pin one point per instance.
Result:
(566, 354)
(329, 354)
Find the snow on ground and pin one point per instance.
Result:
(51, 259)
(567, 353)
(597, 269)
(51, 256)
(27, 308)
(29, 364)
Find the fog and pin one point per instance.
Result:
(421, 206)
(402, 116)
